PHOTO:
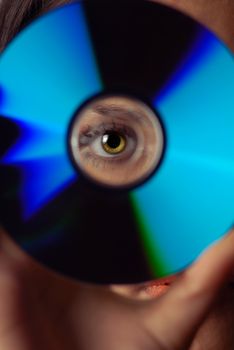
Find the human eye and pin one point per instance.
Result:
(116, 143)
(107, 143)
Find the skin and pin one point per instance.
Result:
(41, 310)
(113, 111)
(217, 15)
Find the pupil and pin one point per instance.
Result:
(113, 140)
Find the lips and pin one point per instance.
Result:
(152, 289)
(156, 288)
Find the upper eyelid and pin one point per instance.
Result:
(86, 137)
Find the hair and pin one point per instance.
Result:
(16, 14)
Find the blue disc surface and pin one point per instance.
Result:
(180, 69)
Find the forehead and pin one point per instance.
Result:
(216, 14)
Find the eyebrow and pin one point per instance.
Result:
(112, 111)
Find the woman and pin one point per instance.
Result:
(40, 310)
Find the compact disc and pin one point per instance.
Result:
(116, 140)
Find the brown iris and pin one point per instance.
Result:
(113, 143)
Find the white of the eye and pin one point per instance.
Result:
(98, 149)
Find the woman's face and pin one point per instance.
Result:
(216, 333)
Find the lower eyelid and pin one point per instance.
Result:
(99, 161)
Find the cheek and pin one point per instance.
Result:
(216, 333)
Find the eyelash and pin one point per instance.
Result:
(89, 135)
